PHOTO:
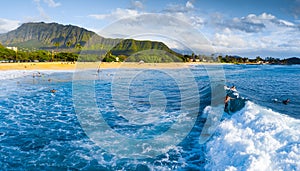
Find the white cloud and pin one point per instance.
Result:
(189, 4)
(263, 34)
(197, 21)
(117, 14)
(175, 9)
(43, 15)
(52, 3)
(179, 8)
(229, 41)
(254, 23)
(291, 44)
(8, 25)
(251, 34)
(99, 16)
(285, 23)
(137, 4)
(263, 16)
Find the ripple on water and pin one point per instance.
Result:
(41, 131)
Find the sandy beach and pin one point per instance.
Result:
(38, 66)
(91, 65)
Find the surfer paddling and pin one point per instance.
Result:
(286, 101)
(283, 101)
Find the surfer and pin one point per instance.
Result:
(286, 101)
(53, 91)
(233, 88)
(283, 101)
(226, 101)
(233, 102)
(230, 93)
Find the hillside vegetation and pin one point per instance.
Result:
(39, 40)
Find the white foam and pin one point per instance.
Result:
(255, 138)
(12, 74)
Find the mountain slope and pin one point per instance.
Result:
(293, 60)
(52, 35)
(43, 35)
(129, 46)
(143, 50)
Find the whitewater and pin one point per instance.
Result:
(255, 138)
(263, 135)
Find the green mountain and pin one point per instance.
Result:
(293, 60)
(45, 35)
(147, 51)
(60, 37)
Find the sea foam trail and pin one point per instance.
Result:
(12, 74)
(255, 138)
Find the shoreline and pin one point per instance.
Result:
(95, 65)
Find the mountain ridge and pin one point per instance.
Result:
(41, 35)
(47, 34)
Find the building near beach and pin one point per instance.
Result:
(12, 48)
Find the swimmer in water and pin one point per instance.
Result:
(283, 101)
(286, 101)
(53, 91)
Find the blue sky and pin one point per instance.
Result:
(236, 27)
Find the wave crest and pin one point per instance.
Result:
(255, 138)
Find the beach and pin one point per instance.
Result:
(38, 66)
(92, 65)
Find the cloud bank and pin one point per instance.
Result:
(254, 33)
(8, 25)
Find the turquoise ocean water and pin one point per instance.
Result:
(41, 130)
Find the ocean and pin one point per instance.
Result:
(150, 119)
